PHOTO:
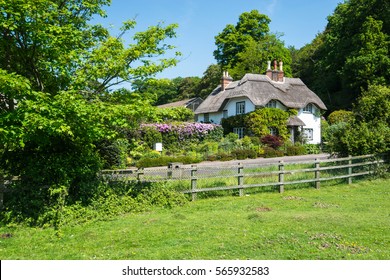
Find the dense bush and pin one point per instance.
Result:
(244, 153)
(108, 201)
(175, 136)
(113, 153)
(340, 116)
(312, 148)
(272, 141)
(271, 152)
(295, 150)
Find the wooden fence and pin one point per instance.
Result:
(195, 179)
(202, 179)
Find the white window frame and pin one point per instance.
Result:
(239, 131)
(309, 108)
(272, 104)
(240, 108)
(308, 134)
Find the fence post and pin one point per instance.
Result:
(140, 172)
(193, 182)
(281, 176)
(349, 170)
(169, 171)
(317, 173)
(240, 177)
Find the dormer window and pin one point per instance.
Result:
(309, 108)
(271, 104)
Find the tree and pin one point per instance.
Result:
(210, 80)
(255, 56)
(60, 69)
(351, 54)
(233, 39)
(248, 45)
(368, 131)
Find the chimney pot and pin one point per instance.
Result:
(226, 80)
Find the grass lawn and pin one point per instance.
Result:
(335, 222)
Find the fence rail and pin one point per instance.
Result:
(202, 179)
(242, 178)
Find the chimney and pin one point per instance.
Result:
(275, 74)
(226, 80)
(280, 73)
(269, 70)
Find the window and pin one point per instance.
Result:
(225, 114)
(240, 108)
(206, 118)
(271, 104)
(308, 108)
(273, 131)
(239, 131)
(308, 134)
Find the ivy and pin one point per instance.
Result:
(259, 122)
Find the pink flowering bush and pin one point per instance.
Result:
(176, 135)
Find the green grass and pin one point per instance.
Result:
(335, 222)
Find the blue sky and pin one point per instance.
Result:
(201, 20)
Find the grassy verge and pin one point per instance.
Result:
(335, 222)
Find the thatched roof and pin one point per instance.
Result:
(295, 121)
(183, 103)
(260, 89)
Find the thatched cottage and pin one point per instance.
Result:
(270, 90)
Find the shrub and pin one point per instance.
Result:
(340, 116)
(113, 153)
(244, 153)
(165, 160)
(222, 156)
(271, 152)
(312, 148)
(295, 150)
(272, 141)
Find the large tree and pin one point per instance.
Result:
(248, 45)
(55, 70)
(351, 54)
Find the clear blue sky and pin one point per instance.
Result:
(201, 20)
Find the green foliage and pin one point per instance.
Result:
(165, 160)
(260, 121)
(231, 122)
(164, 91)
(270, 152)
(232, 40)
(369, 132)
(113, 153)
(340, 116)
(211, 78)
(178, 114)
(107, 202)
(55, 108)
(244, 154)
(247, 46)
(351, 54)
(312, 148)
(295, 150)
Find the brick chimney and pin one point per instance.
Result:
(226, 80)
(275, 74)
